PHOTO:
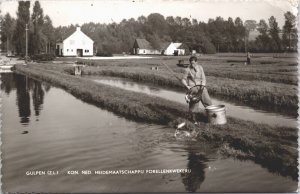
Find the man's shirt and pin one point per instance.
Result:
(194, 76)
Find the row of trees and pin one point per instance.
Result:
(217, 35)
(40, 30)
(274, 39)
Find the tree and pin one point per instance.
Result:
(48, 31)
(186, 22)
(262, 27)
(38, 38)
(194, 22)
(230, 35)
(289, 31)
(157, 24)
(240, 34)
(142, 19)
(274, 33)
(8, 26)
(23, 16)
(250, 25)
(263, 40)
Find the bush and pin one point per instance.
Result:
(43, 57)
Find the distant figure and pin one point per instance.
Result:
(248, 58)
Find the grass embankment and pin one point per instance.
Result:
(273, 147)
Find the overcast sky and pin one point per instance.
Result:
(66, 12)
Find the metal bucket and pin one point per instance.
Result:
(216, 114)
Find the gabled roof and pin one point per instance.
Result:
(177, 44)
(143, 43)
(69, 34)
(183, 46)
(164, 45)
(65, 36)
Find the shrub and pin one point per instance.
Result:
(43, 57)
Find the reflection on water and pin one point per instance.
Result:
(197, 164)
(72, 135)
(25, 90)
(37, 97)
(237, 111)
(23, 99)
(8, 82)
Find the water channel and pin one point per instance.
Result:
(233, 110)
(46, 129)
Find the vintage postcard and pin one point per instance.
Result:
(124, 96)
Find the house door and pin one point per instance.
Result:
(176, 53)
(79, 52)
(57, 51)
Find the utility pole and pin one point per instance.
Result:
(245, 43)
(26, 55)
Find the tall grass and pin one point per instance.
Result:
(269, 146)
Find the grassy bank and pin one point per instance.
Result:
(273, 147)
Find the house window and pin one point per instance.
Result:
(67, 50)
(144, 51)
(72, 50)
(86, 51)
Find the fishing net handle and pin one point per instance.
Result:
(190, 90)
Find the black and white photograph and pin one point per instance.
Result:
(149, 96)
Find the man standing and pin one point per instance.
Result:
(248, 58)
(194, 80)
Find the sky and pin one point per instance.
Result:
(67, 12)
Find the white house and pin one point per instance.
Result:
(77, 44)
(174, 49)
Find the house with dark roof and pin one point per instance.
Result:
(143, 47)
(77, 44)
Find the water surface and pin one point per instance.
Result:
(45, 128)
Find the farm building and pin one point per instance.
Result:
(174, 49)
(77, 44)
(143, 47)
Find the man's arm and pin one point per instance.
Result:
(184, 79)
(203, 76)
